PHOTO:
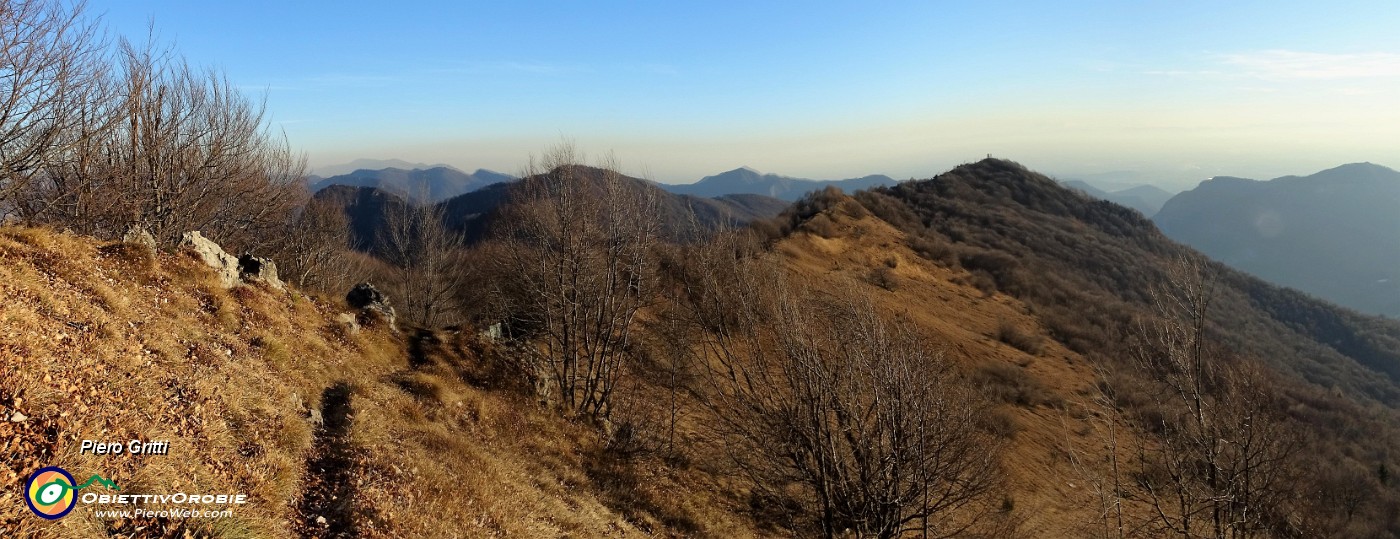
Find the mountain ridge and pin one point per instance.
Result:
(748, 180)
(1334, 233)
(374, 164)
(421, 186)
(1145, 198)
(474, 213)
(994, 206)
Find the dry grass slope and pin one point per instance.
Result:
(1045, 414)
(105, 341)
(431, 434)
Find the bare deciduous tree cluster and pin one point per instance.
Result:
(1219, 467)
(833, 397)
(428, 264)
(1216, 458)
(314, 252)
(578, 250)
(55, 82)
(100, 138)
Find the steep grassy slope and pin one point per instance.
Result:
(107, 342)
(264, 393)
(1042, 388)
(1027, 288)
(1088, 267)
(1087, 270)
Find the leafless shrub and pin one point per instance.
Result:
(1009, 333)
(885, 277)
(1011, 384)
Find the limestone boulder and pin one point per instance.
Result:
(371, 303)
(256, 269)
(224, 264)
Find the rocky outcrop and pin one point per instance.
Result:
(365, 295)
(372, 304)
(349, 322)
(224, 264)
(138, 235)
(232, 271)
(494, 332)
(256, 269)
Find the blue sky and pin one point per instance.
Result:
(1167, 92)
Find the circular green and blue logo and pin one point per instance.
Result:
(50, 493)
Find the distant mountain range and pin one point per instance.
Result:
(1334, 234)
(749, 181)
(1147, 199)
(421, 183)
(475, 213)
(420, 186)
(373, 164)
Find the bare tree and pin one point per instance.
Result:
(1218, 465)
(193, 153)
(875, 429)
(1108, 485)
(832, 396)
(428, 264)
(579, 245)
(313, 251)
(53, 79)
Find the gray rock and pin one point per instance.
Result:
(223, 263)
(138, 235)
(255, 269)
(352, 326)
(19, 418)
(493, 332)
(364, 295)
(371, 302)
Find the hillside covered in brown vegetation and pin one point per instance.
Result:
(581, 354)
(1034, 329)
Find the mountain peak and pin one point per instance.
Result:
(1362, 172)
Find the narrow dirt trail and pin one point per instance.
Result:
(327, 507)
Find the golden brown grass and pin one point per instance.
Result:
(108, 342)
(1048, 495)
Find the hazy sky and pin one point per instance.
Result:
(1175, 91)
